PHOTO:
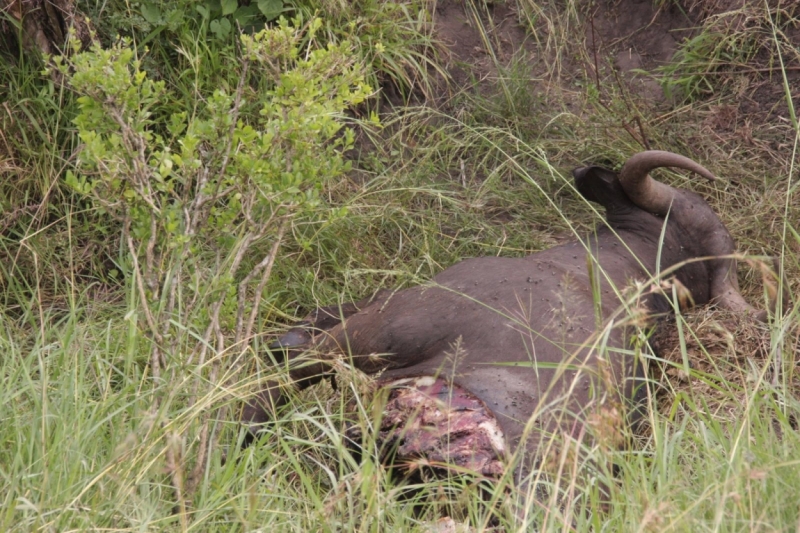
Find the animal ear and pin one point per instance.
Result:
(600, 185)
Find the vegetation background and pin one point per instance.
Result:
(191, 176)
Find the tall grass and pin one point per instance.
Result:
(81, 447)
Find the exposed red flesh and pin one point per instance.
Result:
(443, 423)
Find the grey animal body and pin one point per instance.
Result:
(527, 328)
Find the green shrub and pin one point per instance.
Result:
(204, 200)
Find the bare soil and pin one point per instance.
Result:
(634, 38)
(459, 29)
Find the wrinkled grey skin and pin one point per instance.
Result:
(532, 310)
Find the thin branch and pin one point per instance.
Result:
(150, 256)
(151, 322)
(242, 292)
(264, 277)
(175, 468)
(201, 199)
(172, 281)
(134, 144)
(205, 442)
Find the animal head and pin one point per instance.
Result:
(636, 202)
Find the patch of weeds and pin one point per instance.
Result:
(726, 46)
(395, 39)
(516, 103)
(214, 184)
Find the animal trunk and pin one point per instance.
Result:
(659, 198)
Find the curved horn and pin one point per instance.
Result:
(648, 193)
(657, 197)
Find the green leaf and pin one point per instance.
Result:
(229, 6)
(271, 9)
(203, 10)
(220, 27)
(247, 15)
(151, 13)
(77, 184)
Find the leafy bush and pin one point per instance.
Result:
(205, 199)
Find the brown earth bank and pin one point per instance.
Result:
(631, 38)
(41, 25)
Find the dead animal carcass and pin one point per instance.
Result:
(497, 351)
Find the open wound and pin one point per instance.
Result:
(438, 421)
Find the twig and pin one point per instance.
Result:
(638, 120)
(150, 257)
(594, 52)
(205, 441)
(264, 277)
(201, 199)
(155, 357)
(175, 469)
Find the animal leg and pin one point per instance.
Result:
(303, 373)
